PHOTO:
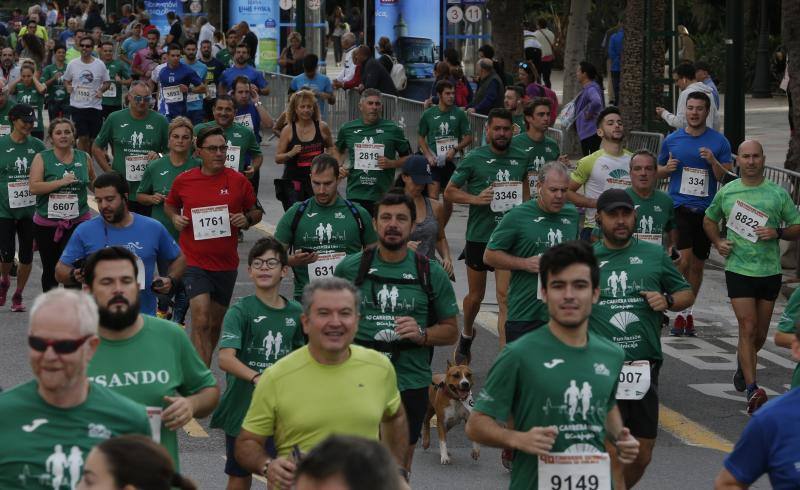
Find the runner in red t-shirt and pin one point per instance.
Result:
(208, 206)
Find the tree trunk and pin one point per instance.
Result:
(791, 37)
(633, 97)
(575, 48)
(508, 43)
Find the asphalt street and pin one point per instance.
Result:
(701, 417)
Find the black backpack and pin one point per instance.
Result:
(304, 205)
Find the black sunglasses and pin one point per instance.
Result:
(59, 346)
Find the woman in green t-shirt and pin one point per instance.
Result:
(29, 90)
(60, 178)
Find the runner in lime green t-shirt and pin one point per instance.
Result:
(787, 334)
(757, 214)
(257, 332)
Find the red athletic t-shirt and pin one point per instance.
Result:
(192, 189)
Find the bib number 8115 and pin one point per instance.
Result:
(580, 482)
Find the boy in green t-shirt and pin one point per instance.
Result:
(257, 331)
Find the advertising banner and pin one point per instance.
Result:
(263, 17)
(158, 13)
(414, 29)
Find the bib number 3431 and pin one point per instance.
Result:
(574, 471)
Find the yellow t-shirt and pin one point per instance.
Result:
(41, 32)
(300, 401)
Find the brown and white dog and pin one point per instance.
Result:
(450, 399)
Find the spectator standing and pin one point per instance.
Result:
(546, 38)
(615, 56)
(490, 89)
(532, 46)
(685, 45)
(339, 27)
(685, 81)
(349, 70)
(588, 105)
(250, 39)
(175, 29)
(207, 30)
(702, 73)
(291, 59)
(526, 74)
(133, 44)
(386, 54)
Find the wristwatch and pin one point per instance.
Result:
(779, 231)
(670, 300)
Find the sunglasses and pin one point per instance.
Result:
(59, 346)
(142, 98)
(523, 65)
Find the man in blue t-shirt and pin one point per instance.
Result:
(240, 68)
(145, 237)
(769, 444)
(175, 81)
(133, 44)
(317, 83)
(194, 101)
(694, 159)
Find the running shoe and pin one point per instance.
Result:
(755, 399)
(689, 329)
(16, 303)
(4, 285)
(738, 379)
(507, 458)
(679, 327)
(463, 352)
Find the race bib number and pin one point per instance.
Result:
(367, 155)
(232, 157)
(62, 206)
(634, 380)
(506, 195)
(325, 265)
(134, 167)
(19, 195)
(744, 219)
(154, 417)
(140, 273)
(211, 222)
(36, 120)
(5, 129)
(192, 97)
(173, 94)
(83, 94)
(649, 237)
(578, 471)
(443, 145)
(694, 182)
(112, 91)
(211, 91)
(246, 120)
(533, 178)
(539, 294)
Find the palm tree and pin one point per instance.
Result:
(507, 41)
(791, 38)
(575, 48)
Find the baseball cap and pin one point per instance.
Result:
(418, 169)
(613, 199)
(22, 111)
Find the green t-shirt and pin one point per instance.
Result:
(115, 67)
(382, 302)
(226, 58)
(791, 313)
(158, 178)
(325, 229)
(518, 123)
(437, 125)
(622, 314)
(655, 216)
(4, 116)
(32, 97)
(762, 258)
(261, 336)
(158, 361)
(371, 185)
(479, 169)
(526, 231)
(56, 91)
(539, 152)
(55, 170)
(240, 136)
(130, 137)
(15, 167)
(541, 381)
(42, 443)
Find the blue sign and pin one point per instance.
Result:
(158, 13)
(262, 16)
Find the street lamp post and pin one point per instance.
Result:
(761, 81)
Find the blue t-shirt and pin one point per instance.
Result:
(686, 149)
(68, 34)
(320, 84)
(130, 46)
(255, 76)
(254, 119)
(195, 102)
(170, 77)
(710, 83)
(145, 237)
(770, 444)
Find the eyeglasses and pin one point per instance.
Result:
(216, 149)
(269, 263)
(142, 98)
(523, 65)
(59, 346)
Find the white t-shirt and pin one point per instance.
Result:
(529, 40)
(600, 172)
(86, 78)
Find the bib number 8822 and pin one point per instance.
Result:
(580, 482)
(746, 220)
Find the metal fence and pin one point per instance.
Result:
(640, 140)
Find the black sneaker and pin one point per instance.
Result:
(463, 354)
(738, 378)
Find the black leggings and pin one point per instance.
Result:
(23, 229)
(50, 252)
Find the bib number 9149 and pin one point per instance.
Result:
(577, 482)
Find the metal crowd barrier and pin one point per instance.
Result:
(477, 122)
(640, 140)
(409, 112)
(557, 135)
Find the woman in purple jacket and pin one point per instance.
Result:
(588, 104)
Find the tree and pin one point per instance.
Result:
(633, 97)
(575, 49)
(508, 46)
(791, 37)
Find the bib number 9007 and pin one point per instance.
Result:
(630, 377)
(578, 482)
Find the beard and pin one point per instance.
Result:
(119, 214)
(119, 320)
(500, 145)
(393, 246)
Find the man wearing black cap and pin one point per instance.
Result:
(637, 283)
